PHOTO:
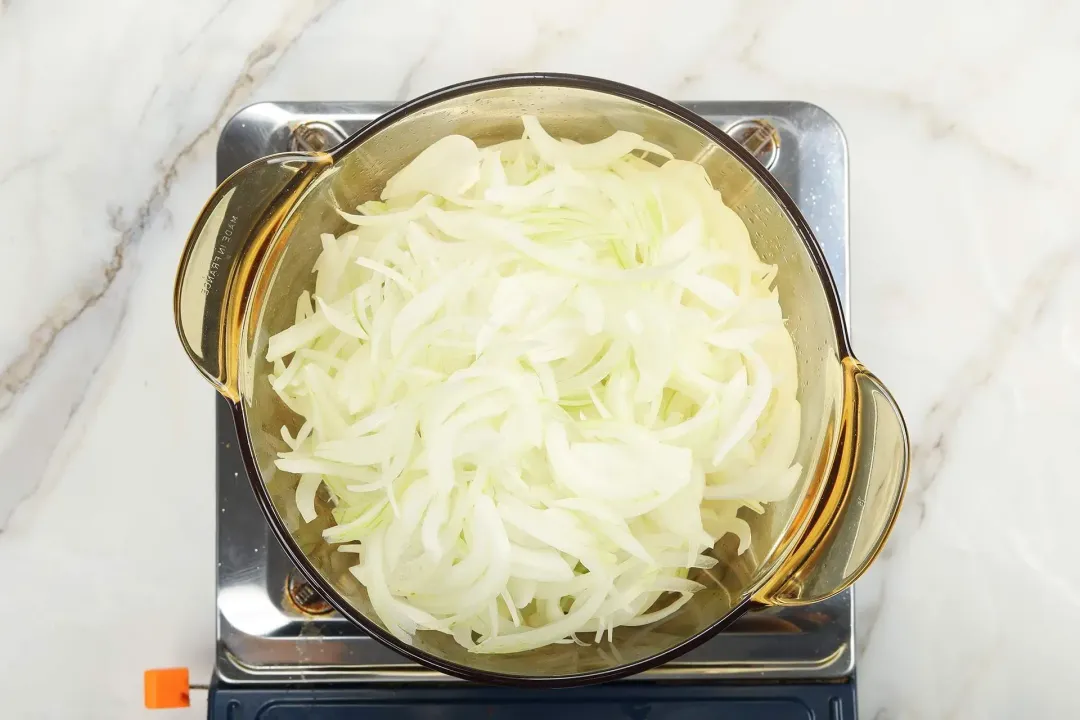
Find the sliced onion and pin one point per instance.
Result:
(539, 381)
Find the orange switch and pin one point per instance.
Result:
(166, 688)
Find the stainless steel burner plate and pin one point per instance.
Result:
(268, 635)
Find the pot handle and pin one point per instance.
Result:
(860, 501)
(223, 254)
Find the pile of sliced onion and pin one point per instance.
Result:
(537, 381)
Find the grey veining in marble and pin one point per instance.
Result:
(965, 273)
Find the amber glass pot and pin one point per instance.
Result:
(251, 253)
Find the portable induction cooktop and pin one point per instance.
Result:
(283, 653)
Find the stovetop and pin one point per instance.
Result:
(273, 629)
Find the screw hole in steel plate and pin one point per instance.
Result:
(760, 138)
(316, 136)
(304, 597)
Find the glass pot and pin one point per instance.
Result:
(250, 255)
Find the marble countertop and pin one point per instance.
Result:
(965, 277)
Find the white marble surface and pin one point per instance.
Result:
(962, 120)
